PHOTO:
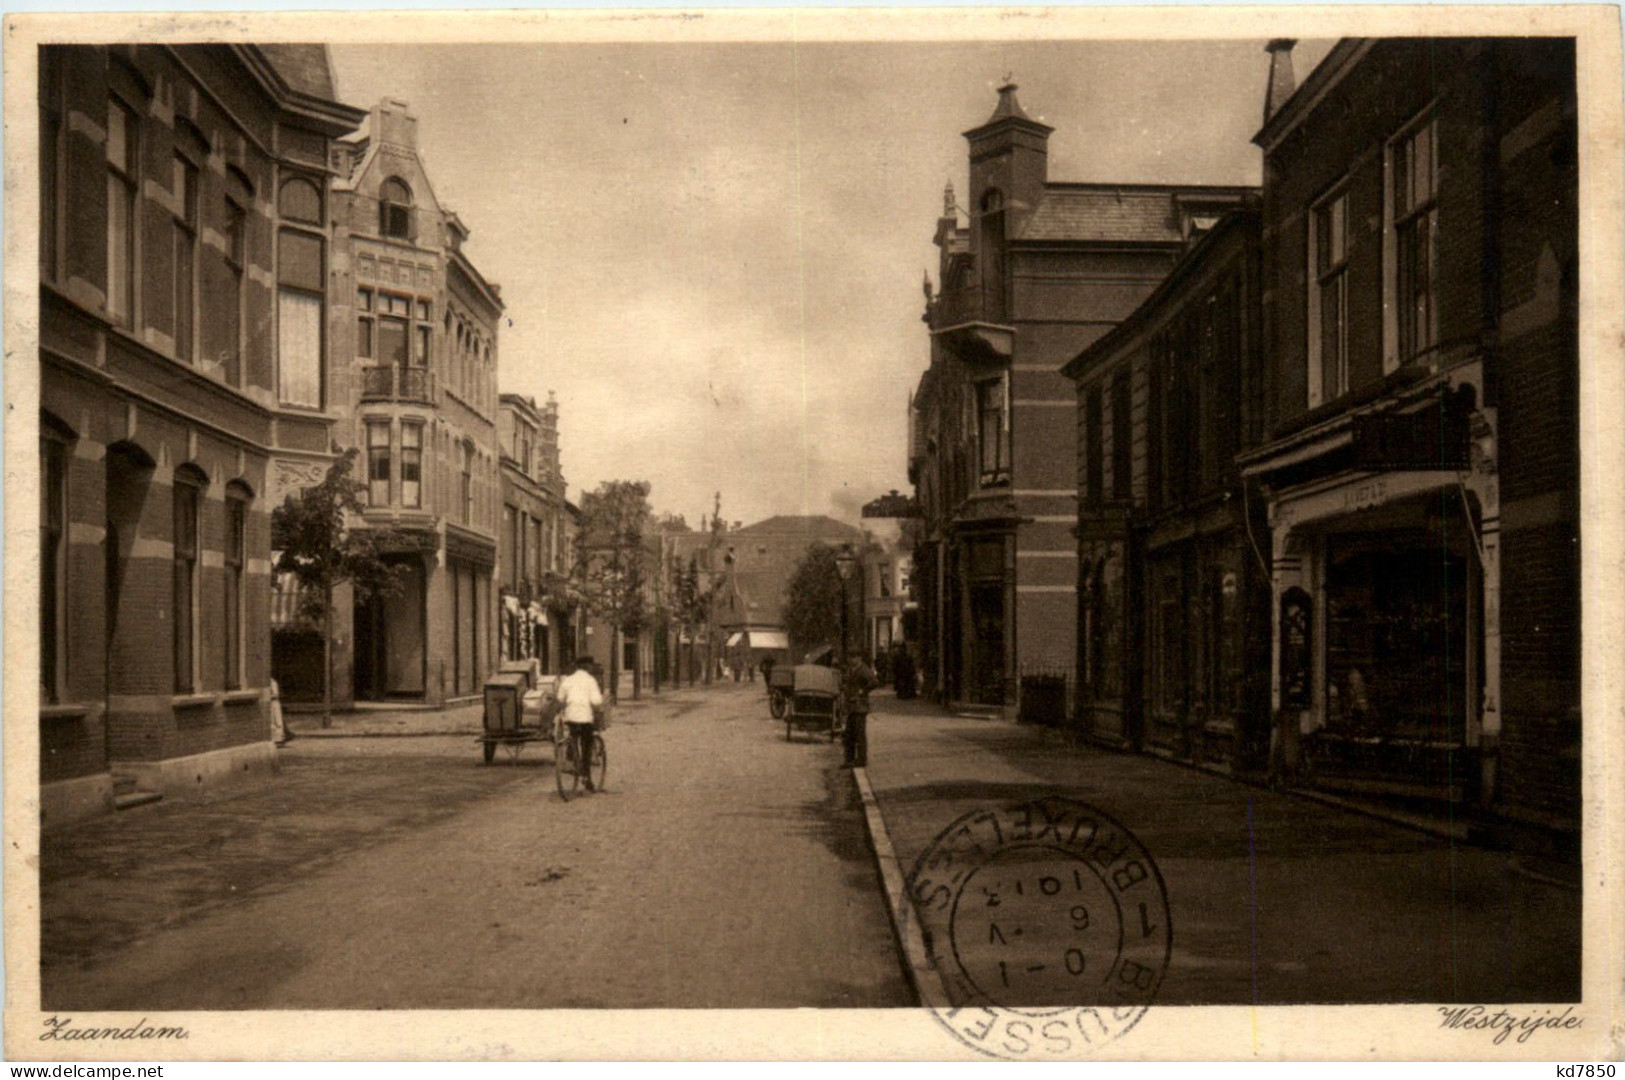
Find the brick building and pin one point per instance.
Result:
(759, 561)
(414, 382)
(184, 197)
(1420, 462)
(1173, 595)
(536, 613)
(1041, 271)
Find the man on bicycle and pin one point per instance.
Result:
(580, 696)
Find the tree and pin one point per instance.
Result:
(610, 563)
(321, 552)
(812, 601)
(691, 608)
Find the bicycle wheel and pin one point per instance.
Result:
(600, 762)
(565, 773)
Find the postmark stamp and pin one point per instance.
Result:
(1048, 923)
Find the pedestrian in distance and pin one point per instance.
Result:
(856, 682)
(582, 698)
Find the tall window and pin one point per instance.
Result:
(236, 529)
(1413, 211)
(185, 193)
(412, 465)
(122, 172)
(468, 484)
(364, 323)
(236, 224)
(1122, 437)
(53, 519)
(50, 157)
(378, 463)
(188, 496)
(301, 201)
(992, 436)
(395, 209)
(300, 281)
(393, 335)
(1093, 447)
(511, 544)
(1329, 301)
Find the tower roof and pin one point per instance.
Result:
(1009, 112)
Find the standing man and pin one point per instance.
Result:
(856, 682)
(581, 697)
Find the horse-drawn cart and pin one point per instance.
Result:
(815, 703)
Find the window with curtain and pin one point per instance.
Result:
(188, 496)
(185, 193)
(236, 529)
(412, 465)
(300, 279)
(378, 468)
(992, 437)
(123, 165)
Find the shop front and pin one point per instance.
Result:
(1386, 636)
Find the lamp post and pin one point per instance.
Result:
(845, 563)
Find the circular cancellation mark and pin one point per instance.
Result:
(1048, 924)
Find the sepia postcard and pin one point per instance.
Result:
(1040, 534)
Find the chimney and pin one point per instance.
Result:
(1281, 81)
(393, 123)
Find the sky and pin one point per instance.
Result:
(712, 252)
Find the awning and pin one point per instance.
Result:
(769, 639)
(285, 596)
(734, 640)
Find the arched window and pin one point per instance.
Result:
(395, 209)
(301, 201)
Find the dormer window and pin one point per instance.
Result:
(395, 209)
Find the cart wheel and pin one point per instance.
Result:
(490, 751)
(777, 706)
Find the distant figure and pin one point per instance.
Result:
(767, 669)
(902, 672)
(856, 682)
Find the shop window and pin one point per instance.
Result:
(1329, 299)
(300, 304)
(395, 209)
(188, 499)
(123, 172)
(1411, 265)
(378, 465)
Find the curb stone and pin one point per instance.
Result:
(922, 974)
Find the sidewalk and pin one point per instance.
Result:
(1274, 899)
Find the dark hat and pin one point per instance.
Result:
(585, 660)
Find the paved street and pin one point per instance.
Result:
(723, 868)
(1274, 899)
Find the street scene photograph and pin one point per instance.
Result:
(1026, 533)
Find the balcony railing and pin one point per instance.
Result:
(389, 383)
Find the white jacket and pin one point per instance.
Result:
(578, 693)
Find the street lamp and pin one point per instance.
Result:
(845, 563)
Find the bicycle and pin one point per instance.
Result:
(567, 772)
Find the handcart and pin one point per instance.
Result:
(780, 685)
(508, 706)
(815, 702)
